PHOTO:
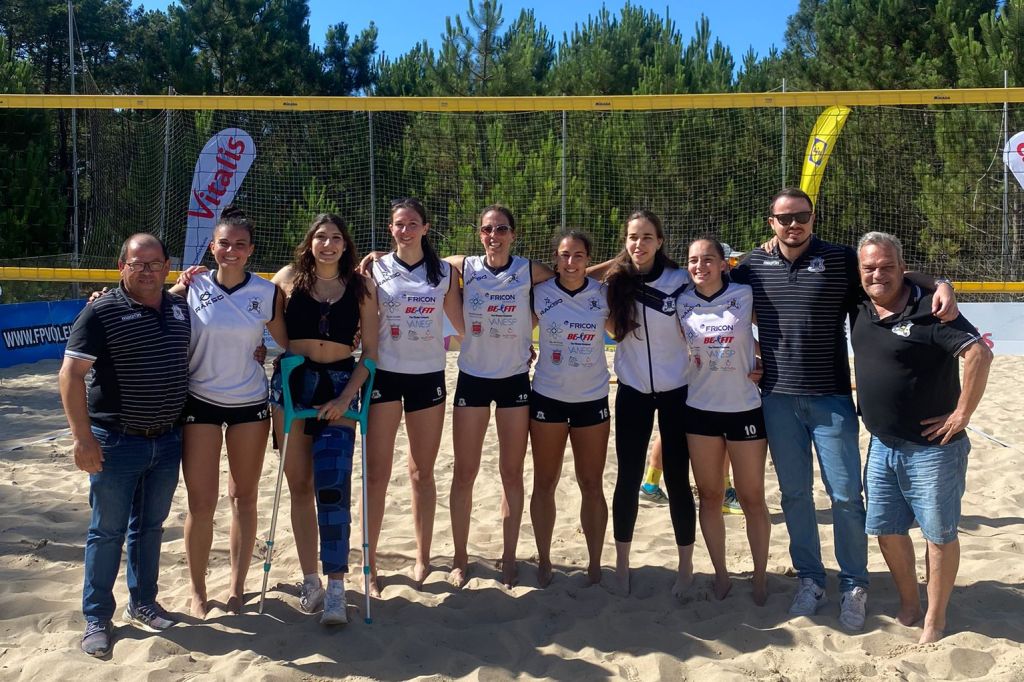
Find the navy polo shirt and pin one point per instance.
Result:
(801, 309)
(139, 356)
(907, 367)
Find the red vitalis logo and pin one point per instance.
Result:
(221, 179)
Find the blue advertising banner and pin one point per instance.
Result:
(30, 332)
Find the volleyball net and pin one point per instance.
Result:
(927, 166)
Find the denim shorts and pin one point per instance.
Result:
(308, 387)
(906, 482)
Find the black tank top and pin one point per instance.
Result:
(304, 314)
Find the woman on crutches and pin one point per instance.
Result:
(327, 303)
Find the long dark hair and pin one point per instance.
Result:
(304, 264)
(625, 280)
(430, 258)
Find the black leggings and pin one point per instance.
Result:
(634, 422)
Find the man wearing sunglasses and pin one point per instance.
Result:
(804, 289)
(136, 341)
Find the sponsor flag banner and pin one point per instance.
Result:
(220, 170)
(1014, 156)
(30, 332)
(819, 147)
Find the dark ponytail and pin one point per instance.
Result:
(232, 216)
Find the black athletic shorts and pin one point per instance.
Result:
(198, 411)
(551, 411)
(738, 426)
(416, 391)
(513, 391)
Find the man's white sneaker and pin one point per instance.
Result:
(852, 607)
(312, 596)
(335, 608)
(808, 599)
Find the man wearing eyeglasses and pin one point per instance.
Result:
(126, 436)
(804, 289)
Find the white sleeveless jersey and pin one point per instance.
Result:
(496, 309)
(227, 327)
(721, 343)
(411, 316)
(571, 366)
(652, 358)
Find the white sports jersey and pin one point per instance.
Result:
(496, 309)
(227, 327)
(571, 366)
(652, 357)
(721, 342)
(411, 316)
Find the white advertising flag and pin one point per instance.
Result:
(1014, 156)
(220, 170)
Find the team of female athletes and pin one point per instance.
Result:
(673, 358)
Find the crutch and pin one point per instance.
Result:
(362, 416)
(288, 364)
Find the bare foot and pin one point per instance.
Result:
(594, 574)
(375, 586)
(930, 634)
(544, 573)
(722, 585)
(682, 584)
(509, 573)
(232, 603)
(909, 615)
(457, 577)
(199, 607)
(420, 573)
(760, 592)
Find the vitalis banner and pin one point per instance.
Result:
(220, 170)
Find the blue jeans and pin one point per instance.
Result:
(906, 482)
(794, 422)
(131, 495)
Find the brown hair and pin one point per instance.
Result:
(304, 264)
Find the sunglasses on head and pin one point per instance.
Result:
(495, 229)
(786, 219)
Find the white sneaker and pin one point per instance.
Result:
(852, 606)
(312, 596)
(335, 608)
(808, 599)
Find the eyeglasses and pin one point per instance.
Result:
(495, 229)
(155, 266)
(786, 219)
(325, 325)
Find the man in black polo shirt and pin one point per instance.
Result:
(908, 391)
(136, 342)
(804, 288)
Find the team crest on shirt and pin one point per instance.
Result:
(734, 304)
(817, 264)
(255, 304)
(903, 329)
(396, 331)
(556, 357)
(595, 304)
(179, 315)
(668, 305)
(476, 328)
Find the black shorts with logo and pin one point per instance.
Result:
(551, 411)
(736, 426)
(198, 411)
(415, 391)
(513, 391)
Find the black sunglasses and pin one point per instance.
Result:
(786, 219)
(495, 229)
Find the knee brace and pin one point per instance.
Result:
(332, 477)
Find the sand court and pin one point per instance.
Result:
(485, 631)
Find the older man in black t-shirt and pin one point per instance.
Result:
(135, 342)
(909, 394)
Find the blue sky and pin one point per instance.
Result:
(739, 24)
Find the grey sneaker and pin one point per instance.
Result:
(151, 616)
(653, 493)
(808, 599)
(852, 608)
(335, 608)
(312, 596)
(96, 640)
